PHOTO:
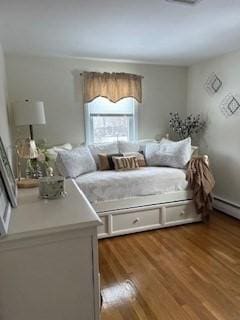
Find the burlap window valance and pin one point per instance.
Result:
(113, 86)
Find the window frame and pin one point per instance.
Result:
(88, 122)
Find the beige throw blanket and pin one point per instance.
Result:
(201, 181)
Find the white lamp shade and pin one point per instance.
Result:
(29, 112)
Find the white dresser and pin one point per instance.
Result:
(49, 260)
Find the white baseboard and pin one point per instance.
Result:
(227, 207)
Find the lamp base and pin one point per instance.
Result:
(26, 183)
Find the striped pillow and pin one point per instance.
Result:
(139, 155)
(125, 163)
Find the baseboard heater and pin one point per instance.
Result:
(228, 207)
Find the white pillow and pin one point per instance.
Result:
(73, 163)
(128, 146)
(150, 151)
(145, 142)
(169, 153)
(52, 155)
(52, 152)
(107, 148)
(133, 146)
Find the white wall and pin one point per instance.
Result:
(222, 138)
(56, 81)
(4, 123)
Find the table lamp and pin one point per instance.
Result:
(28, 113)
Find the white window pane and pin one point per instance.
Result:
(106, 121)
(110, 128)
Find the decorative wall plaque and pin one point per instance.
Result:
(230, 105)
(213, 84)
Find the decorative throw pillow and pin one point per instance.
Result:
(140, 157)
(169, 153)
(125, 163)
(108, 148)
(106, 161)
(103, 162)
(75, 162)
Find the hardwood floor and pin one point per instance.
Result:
(190, 272)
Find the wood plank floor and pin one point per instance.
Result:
(190, 272)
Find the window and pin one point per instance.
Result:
(106, 121)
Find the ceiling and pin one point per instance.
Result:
(150, 31)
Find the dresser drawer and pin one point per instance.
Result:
(134, 220)
(181, 212)
(103, 229)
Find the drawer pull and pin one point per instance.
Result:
(136, 220)
(182, 213)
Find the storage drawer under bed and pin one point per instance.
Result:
(181, 212)
(134, 220)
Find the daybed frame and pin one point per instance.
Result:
(143, 213)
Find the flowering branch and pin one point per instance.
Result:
(188, 127)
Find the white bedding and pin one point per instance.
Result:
(113, 185)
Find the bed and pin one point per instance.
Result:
(148, 198)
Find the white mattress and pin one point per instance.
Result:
(113, 185)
